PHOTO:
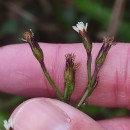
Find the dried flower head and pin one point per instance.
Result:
(69, 75)
(80, 27)
(107, 44)
(70, 68)
(27, 36)
(70, 58)
(8, 124)
(108, 41)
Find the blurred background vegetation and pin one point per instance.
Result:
(52, 22)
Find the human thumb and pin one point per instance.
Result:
(50, 114)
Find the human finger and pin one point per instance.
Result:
(21, 74)
(122, 123)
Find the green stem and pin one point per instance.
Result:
(51, 82)
(66, 92)
(69, 88)
(85, 96)
(94, 75)
(89, 67)
(88, 90)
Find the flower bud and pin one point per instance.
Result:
(107, 43)
(81, 28)
(8, 124)
(28, 37)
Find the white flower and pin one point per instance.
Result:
(8, 124)
(80, 26)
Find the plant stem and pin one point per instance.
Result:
(89, 66)
(94, 75)
(51, 82)
(89, 89)
(86, 94)
(66, 92)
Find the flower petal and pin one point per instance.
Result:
(75, 28)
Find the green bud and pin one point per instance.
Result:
(38, 54)
(107, 43)
(100, 60)
(87, 43)
(28, 36)
(81, 28)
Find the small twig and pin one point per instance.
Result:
(92, 80)
(115, 19)
(38, 53)
(82, 30)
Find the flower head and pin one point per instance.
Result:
(70, 58)
(108, 41)
(80, 26)
(27, 36)
(8, 124)
(69, 75)
(71, 67)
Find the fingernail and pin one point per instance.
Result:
(40, 114)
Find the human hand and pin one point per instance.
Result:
(22, 75)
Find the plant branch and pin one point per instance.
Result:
(51, 81)
(38, 53)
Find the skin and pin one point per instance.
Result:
(21, 75)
